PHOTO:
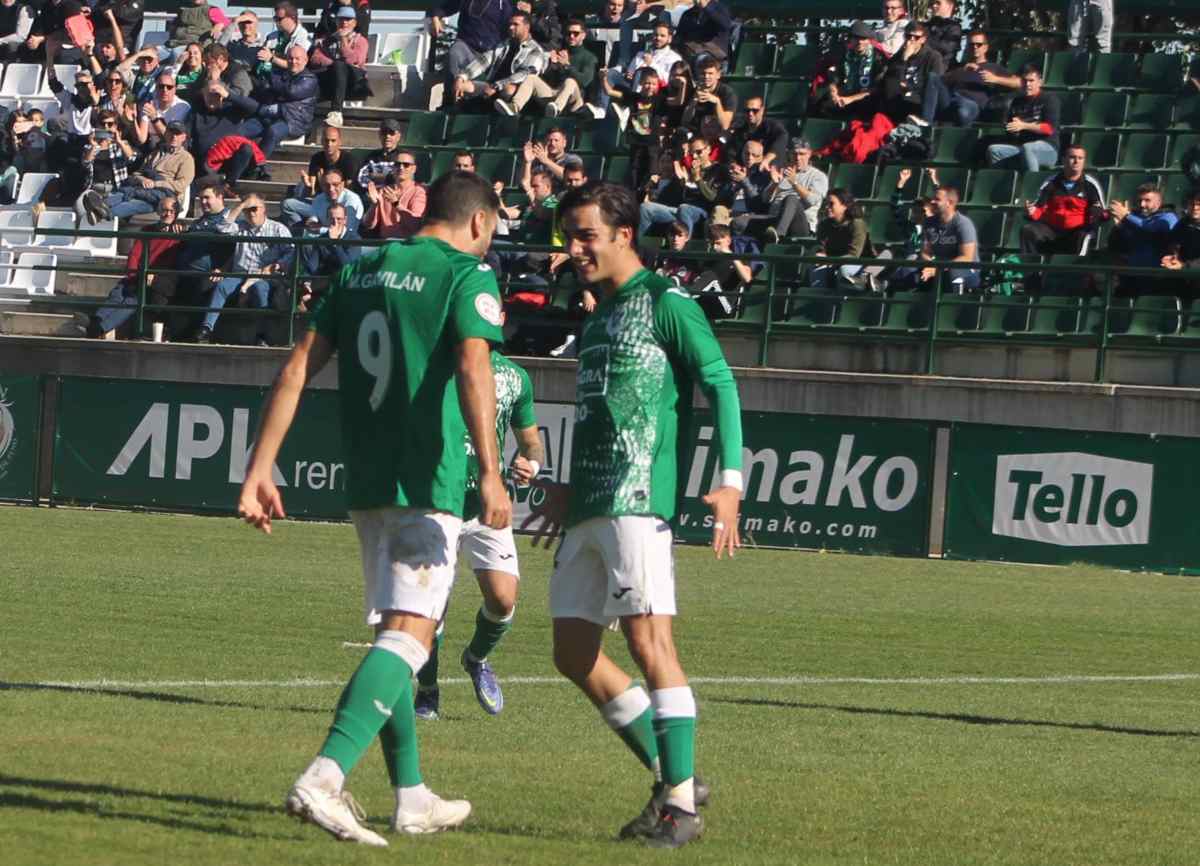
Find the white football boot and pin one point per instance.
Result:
(440, 815)
(336, 813)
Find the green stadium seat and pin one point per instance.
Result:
(543, 125)
(593, 164)
(1187, 113)
(991, 186)
(616, 169)
(914, 311)
(959, 314)
(745, 88)
(509, 132)
(1162, 73)
(882, 227)
(955, 176)
(787, 97)
(1144, 150)
(1003, 315)
(1180, 145)
(424, 160)
(754, 59)
(808, 307)
(1113, 72)
(425, 127)
(864, 311)
(1150, 111)
(1154, 316)
(1030, 183)
(1104, 110)
(600, 49)
(1123, 185)
(1072, 108)
(1120, 316)
(1177, 188)
(1018, 57)
(1065, 284)
(1067, 69)
(989, 226)
(467, 130)
(858, 179)
(496, 165)
(1055, 315)
(600, 136)
(820, 132)
(1103, 148)
(889, 175)
(955, 146)
(797, 60)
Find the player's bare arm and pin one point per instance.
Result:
(477, 397)
(260, 499)
(531, 454)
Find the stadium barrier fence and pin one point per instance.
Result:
(1078, 306)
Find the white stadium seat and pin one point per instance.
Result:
(30, 282)
(22, 79)
(6, 272)
(98, 247)
(32, 184)
(54, 219)
(153, 37)
(414, 45)
(16, 228)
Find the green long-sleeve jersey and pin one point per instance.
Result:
(640, 352)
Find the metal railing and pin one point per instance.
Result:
(771, 307)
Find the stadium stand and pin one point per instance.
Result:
(1135, 111)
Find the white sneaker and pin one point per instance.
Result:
(621, 112)
(551, 110)
(334, 119)
(337, 814)
(504, 108)
(441, 815)
(567, 349)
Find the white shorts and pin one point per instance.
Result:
(408, 557)
(488, 549)
(609, 567)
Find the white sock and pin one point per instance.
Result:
(414, 798)
(324, 773)
(683, 796)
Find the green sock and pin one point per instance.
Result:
(427, 676)
(488, 632)
(380, 681)
(398, 736)
(639, 736)
(677, 745)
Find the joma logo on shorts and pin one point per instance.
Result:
(1071, 499)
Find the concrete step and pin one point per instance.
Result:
(40, 324)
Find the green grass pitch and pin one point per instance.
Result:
(838, 724)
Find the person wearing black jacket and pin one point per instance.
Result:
(1032, 126)
(1183, 246)
(544, 23)
(909, 76)
(945, 31)
(704, 29)
(220, 112)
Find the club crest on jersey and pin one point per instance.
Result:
(614, 322)
(488, 308)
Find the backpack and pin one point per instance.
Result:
(1004, 281)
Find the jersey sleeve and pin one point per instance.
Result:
(689, 339)
(475, 305)
(324, 318)
(523, 415)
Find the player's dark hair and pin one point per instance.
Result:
(456, 196)
(617, 204)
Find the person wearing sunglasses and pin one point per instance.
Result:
(978, 85)
(168, 171)
(847, 86)
(398, 207)
(160, 112)
(288, 34)
(907, 79)
(890, 34)
(568, 74)
(140, 71)
(295, 211)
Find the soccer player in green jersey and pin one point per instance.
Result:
(412, 323)
(491, 553)
(640, 352)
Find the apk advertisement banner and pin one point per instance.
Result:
(181, 446)
(20, 418)
(1037, 495)
(819, 481)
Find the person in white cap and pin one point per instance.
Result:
(339, 61)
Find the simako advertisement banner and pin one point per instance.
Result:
(1039, 495)
(20, 420)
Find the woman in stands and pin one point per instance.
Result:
(680, 93)
(842, 234)
(190, 68)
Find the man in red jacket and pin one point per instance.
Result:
(1069, 208)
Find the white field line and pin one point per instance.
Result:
(307, 683)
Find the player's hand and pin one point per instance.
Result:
(725, 502)
(548, 502)
(496, 507)
(259, 502)
(522, 471)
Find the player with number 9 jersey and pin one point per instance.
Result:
(395, 317)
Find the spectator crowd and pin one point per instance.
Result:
(141, 133)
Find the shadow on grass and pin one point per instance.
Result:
(161, 697)
(65, 786)
(964, 718)
(13, 800)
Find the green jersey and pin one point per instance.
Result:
(514, 406)
(640, 352)
(396, 317)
